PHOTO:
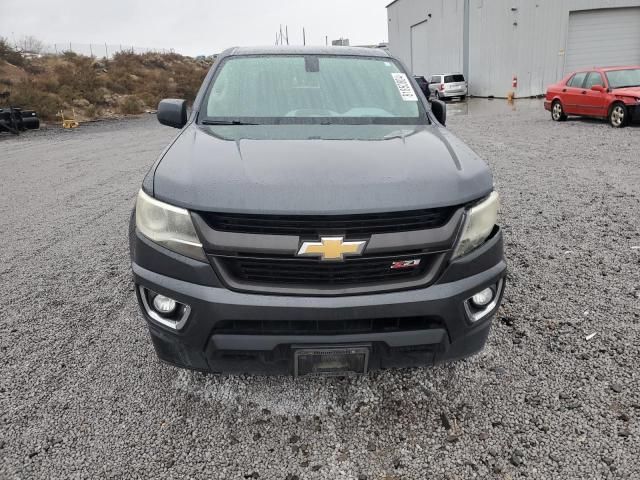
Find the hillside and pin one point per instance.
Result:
(96, 88)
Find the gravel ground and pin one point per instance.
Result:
(83, 396)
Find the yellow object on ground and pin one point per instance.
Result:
(69, 122)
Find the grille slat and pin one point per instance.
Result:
(315, 272)
(360, 279)
(359, 273)
(324, 327)
(361, 269)
(361, 224)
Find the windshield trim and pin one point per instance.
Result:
(231, 121)
(423, 117)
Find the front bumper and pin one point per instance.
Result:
(198, 346)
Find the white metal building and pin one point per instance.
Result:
(491, 41)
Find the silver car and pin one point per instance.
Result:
(448, 85)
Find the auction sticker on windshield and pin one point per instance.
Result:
(404, 87)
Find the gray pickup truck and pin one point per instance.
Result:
(314, 216)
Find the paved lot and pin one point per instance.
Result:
(83, 396)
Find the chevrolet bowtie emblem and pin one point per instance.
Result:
(331, 248)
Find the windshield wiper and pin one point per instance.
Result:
(627, 86)
(227, 122)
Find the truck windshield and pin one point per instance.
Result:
(311, 89)
(624, 78)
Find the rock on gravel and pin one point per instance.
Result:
(83, 396)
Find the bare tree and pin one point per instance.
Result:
(30, 44)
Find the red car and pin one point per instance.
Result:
(611, 93)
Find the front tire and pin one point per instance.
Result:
(618, 115)
(557, 112)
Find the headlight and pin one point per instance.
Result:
(478, 225)
(168, 226)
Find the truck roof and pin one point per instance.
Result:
(307, 50)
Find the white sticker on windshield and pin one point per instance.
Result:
(404, 87)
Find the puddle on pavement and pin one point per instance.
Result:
(488, 106)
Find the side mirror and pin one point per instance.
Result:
(598, 88)
(172, 112)
(439, 109)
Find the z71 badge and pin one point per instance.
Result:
(405, 264)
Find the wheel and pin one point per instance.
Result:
(618, 115)
(463, 98)
(557, 112)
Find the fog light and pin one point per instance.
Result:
(482, 298)
(164, 310)
(484, 303)
(164, 305)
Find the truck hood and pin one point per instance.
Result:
(319, 169)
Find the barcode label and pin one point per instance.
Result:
(404, 87)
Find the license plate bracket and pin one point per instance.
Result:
(331, 360)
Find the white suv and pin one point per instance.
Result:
(448, 85)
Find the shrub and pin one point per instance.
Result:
(33, 68)
(28, 94)
(9, 54)
(50, 84)
(91, 111)
(78, 79)
(131, 105)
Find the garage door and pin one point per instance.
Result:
(603, 38)
(419, 49)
